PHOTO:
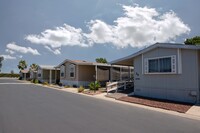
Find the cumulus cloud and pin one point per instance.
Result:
(9, 57)
(139, 26)
(12, 47)
(55, 51)
(60, 36)
(10, 51)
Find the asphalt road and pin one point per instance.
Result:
(27, 108)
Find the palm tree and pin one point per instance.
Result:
(33, 67)
(22, 65)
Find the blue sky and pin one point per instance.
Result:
(47, 32)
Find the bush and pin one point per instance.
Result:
(67, 86)
(35, 81)
(45, 83)
(81, 89)
(94, 85)
(74, 86)
(9, 75)
(60, 84)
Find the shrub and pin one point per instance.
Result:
(45, 83)
(35, 81)
(60, 84)
(81, 89)
(74, 86)
(67, 86)
(94, 85)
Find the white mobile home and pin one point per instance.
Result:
(166, 71)
(48, 74)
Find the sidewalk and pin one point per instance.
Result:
(194, 110)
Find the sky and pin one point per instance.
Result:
(46, 32)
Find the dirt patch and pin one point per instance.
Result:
(163, 104)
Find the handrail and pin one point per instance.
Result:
(116, 85)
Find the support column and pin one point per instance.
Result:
(96, 73)
(120, 74)
(50, 76)
(24, 76)
(55, 74)
(111, 74)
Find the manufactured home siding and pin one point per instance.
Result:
(86, 73)
(67, 72)
(168, 86)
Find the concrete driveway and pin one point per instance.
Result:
(27, 108)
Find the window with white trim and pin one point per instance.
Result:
(72, 71)
(62, 71)
(160, 65)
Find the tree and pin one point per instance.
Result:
(193, 41)
(1, 59)
(101, 60)
(34, 67)
(22, 65)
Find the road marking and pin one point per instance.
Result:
(14, 83)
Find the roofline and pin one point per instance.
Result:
(157, 45)
(47, 67)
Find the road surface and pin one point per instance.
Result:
(27, 108)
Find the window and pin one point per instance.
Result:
(62, 71)
(72, 71)
(39, 74)
(161, 65)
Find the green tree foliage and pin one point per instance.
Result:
(94, 85)
(193, 41)
(22, 65)
(33, 67)
(101, 60)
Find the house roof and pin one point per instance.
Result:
(47, 67)
(82, 62)
(129, 58)
(24, 71)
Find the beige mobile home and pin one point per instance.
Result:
(79, 72)
(24, 74)
(48, 74)
(166, 71)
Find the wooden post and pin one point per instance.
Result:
(111, 73)
(120, 74)
(50, 76)
(96, 73)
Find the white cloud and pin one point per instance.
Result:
(16, 48)
(55, 51)
(20, 56)
(60, 36)
(10, 51)
(139, 26)
(9, 57)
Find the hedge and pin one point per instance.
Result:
(9, 75)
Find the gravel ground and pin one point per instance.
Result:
(168, 105)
